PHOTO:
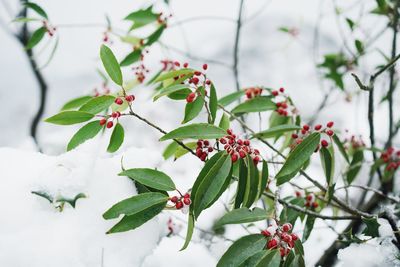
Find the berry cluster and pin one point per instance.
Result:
(354, 142)
(284, 106)
(110, 123)
(141, 70)
(203, 148)
(129, 98)
(253, 92)
(181, 202)
(310, 200)
(239, 148)
(307, 130)
(168, 65)
(280, 238)
(198, 78)
(391, 159)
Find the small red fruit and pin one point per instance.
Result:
(324, 143)
(110, 124)
(174, 199)
(286, 227)
(234, 157)
(186, 201)
(185, 65)
(306, 127)
(275, 93)
(130, 98)
(103, 121)
(318, 127)
(329, 132)
(119, 101)
(329, 124)
(179, 205)
(272, 244)
(281, 89)
(265, 233)
(205, 66)
(315, 205)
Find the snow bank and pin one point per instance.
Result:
(34, 233)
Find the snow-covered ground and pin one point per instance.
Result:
(33, 233)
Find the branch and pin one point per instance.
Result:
(236, 46)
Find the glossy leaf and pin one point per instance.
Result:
(35, 7)
(170, 90)
(170, 150)
(224, 123)
(149, 177)
(270, 259)
(152, 38)
(36, 37)
(210, 183)
(340, 146)
(111, 64)
(195, 131)
(69, 117)
(242, 215)
(181, 151)
(252, 182)
(297, 158)
(355, 166)
(172, 74)
(116, 139)
(193, 109)
(142, 17)
(228, 99)
(98, 104)
(213, 103)
(308, 227)
(372, 228)
(277, 130)
(189, 232)
(241, 187)
(130, 222)
(256, 104)
(241, 250)
(85, 133)
(263, 179)
(135, 205)
(328, 164)
(131, 58)
(76, 103)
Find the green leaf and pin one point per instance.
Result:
(328, 164)
(135, 205)
(98, 104)
(359, 45)
(264, 179)
(350, 23)
(213, 104)
(210, 183)
(270, 259)
(76, 102)
(85, 133)
(372, 229)
(36, 8)
(242, 215)
(169, 90)
(224, 123)
(170, 150)
(155, 35)
(355, 166)
(149, 177)
(308, 227)
(71, 201)
(252, 182)
(340, 146)
(241, 188)
(142, 17)
(117, 138)
(228, 99)
(111, 65)
(195, 131)
(193, 109)
(36, 37)
(44, 195)
(69, 117)
(172, 74)
(131, 58)
(189, 232)
(297, 158)
(256, 104)
(241, 250)
(277, 130)
(181, 151)
(133, 221)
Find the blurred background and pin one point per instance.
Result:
(280, 44)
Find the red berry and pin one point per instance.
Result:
(119, 101)
(286, 227)
(195, 80)
(324, 143)
(103, 121)
(315, 205)
(242, 154)
(197, 73)
(306, 127)
(265, 233)
(234, 157)
(298, 194)
(210, 149)
(272, 244)
(274, 93)
(187, 195)
(329, 124)
(174, 199)
(179, 205)
(115, 114)
(246, 142)
(281, 89)
(208, 82)
(185, 65)
(130, 98)
(329, 132)
(186, 201)
(295, 136)
(176, 63)
(318, 127)
(294, 237)
(110, 124)
(205, 66)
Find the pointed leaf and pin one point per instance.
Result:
(256, 104)
(172, 74)
(242, 215)
(195, 131)
(69, 117)
(131, 58)
(98, 104)
(76, 103)
(277, 130)
(85, 133)
(111, 65)
(213, 104)
(228, 99)
(36, 8)
(117, 138)
(149, 177)
(36, 37)
(189, 232)
(170, 90)
(193, 109)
